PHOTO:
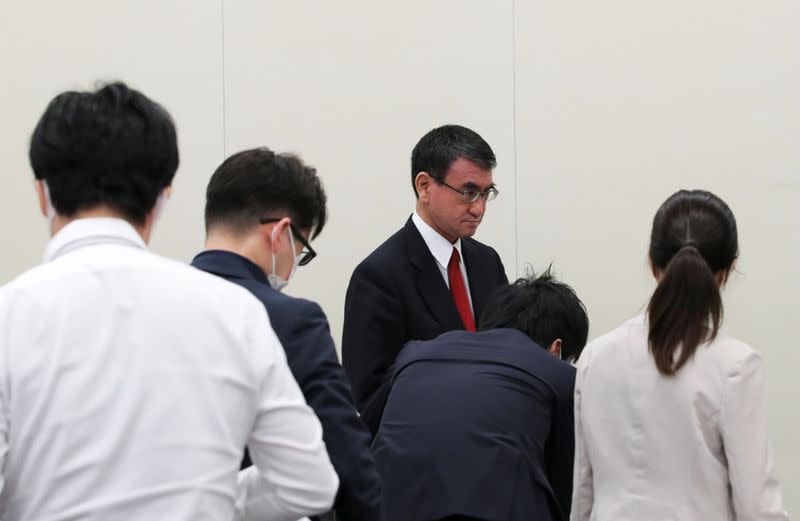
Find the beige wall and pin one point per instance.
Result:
(597, 112)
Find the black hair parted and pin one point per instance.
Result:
(543, 308)
(112, 147)
(693, 240)
(440, 147)
(257, 183)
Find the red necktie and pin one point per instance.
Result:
(459, 291)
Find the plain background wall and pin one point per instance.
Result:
(597, 111)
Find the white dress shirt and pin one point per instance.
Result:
(442, 250)
(130, 385)
(691, 447)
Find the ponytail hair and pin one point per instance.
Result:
(694, 239)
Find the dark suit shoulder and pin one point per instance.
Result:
(558, 374)
(503, 346)
(474, 248)
(479, 246)
(292, 309)
(563, 381)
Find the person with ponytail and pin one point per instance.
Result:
(670, 419)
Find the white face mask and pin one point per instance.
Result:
(277, 282)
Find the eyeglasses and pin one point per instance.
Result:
(308, 253)
(470, 196)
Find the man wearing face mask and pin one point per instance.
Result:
(261, 211)
(126, 389)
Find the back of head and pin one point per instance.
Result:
(113, 147)
(544, 309)
(693, 245)
(254, 183)
(440, 147)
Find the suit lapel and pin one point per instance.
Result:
(430, 284)
(477, 272)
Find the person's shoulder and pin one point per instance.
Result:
(419, 350)
(179, 281)
(31, 284)
(289, 308)
(215, 304)
(631, 331)
(733, 346)
(526, 351)
(167, 283)
(31, 277)
(479, 246)
(731, 354)
(483, 253)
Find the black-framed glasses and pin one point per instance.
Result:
(470, 196)
(307, 253)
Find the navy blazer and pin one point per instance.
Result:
(398, 294)
(303, 330)
(480, 425)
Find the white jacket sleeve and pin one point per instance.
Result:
(582, 486)
(293, 476)
(743, 420)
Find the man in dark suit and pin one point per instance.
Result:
(480, 425)
(261, 210)
(429, 277)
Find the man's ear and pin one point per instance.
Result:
(161, 202)
(41, 195)
(555, 347)
(723, 275)
(422, 183)
(276, 233)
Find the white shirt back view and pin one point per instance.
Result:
(130, 385)
(691, 447)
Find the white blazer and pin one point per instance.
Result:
(688, 447)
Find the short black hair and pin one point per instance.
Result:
(112, 147)
(440, 147)
(544, 309)
(253, 183)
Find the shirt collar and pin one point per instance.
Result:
(229, 264)
(92, 231)
(440, 248)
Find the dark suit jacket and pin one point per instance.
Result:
(479, 425)
(303, 330)
(398, 294)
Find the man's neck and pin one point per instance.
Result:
(60, 221)
(248, 247)
(423, 214)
